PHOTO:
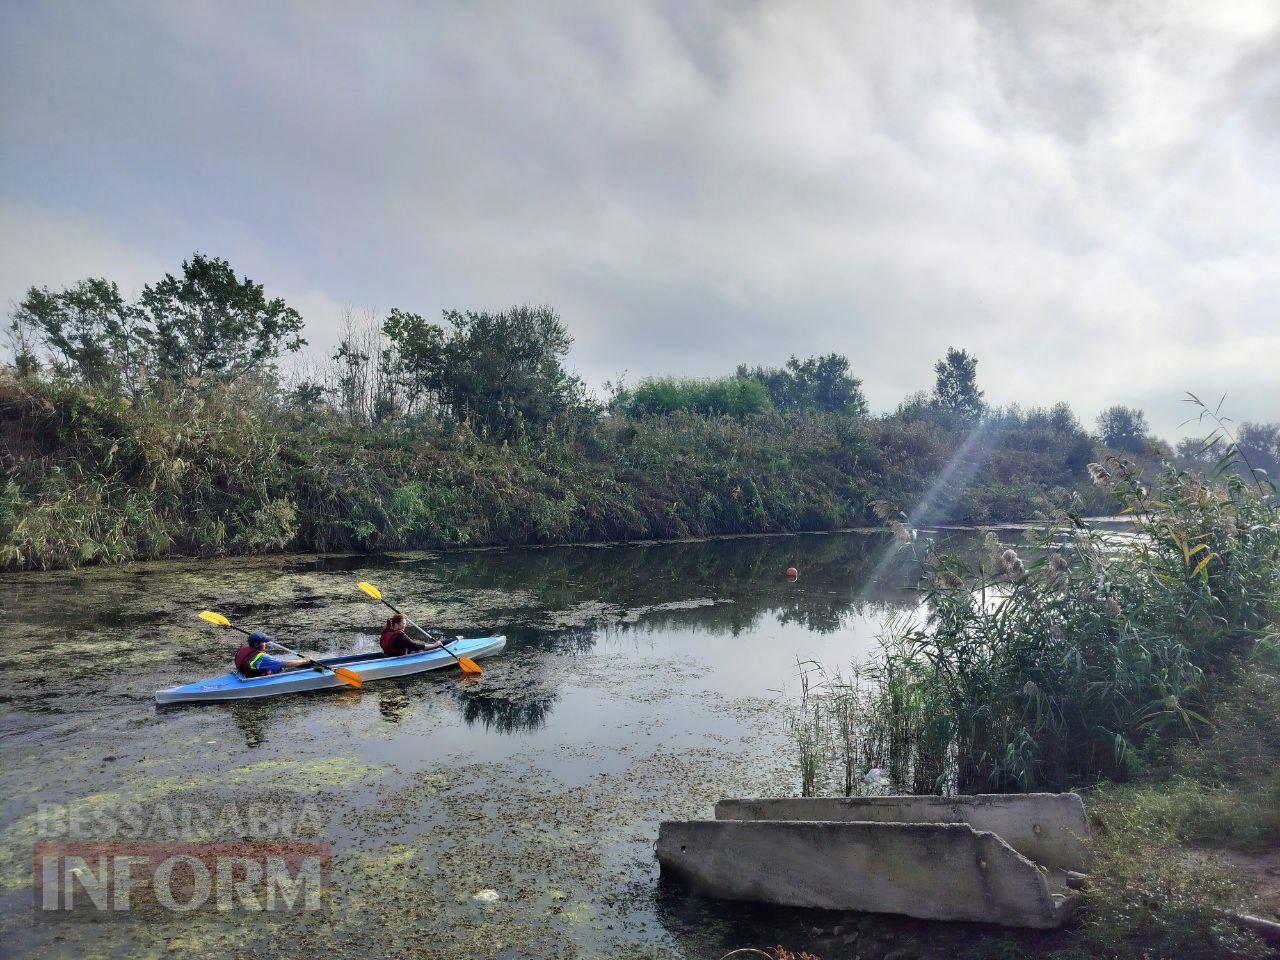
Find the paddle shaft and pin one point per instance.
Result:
(444, 644)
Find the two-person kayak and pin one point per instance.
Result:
(369, 666)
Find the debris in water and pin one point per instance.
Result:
(487, 896)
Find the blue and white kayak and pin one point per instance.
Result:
(370, 666)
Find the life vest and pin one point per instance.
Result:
(247, 659)
(395, 643)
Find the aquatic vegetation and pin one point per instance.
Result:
(1088, 661)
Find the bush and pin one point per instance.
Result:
(723, 396)
(1094, 657)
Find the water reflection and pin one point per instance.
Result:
(504, 714)
(139, 622)
(251, 721)
(392, 704)
(638, 681)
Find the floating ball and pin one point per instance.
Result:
(792, 573)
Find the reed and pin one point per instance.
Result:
(1085, 659)
(91, 476)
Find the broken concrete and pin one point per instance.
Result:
(993, 859)
(1048, 828)
(936, 871)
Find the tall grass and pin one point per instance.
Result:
(1089, 657)
(90, 477)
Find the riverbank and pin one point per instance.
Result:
(1142, 672)
(95, 478)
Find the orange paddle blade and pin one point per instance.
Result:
(350, 676)
(468, 665)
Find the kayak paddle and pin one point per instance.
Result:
(342, 673)
(466, 663)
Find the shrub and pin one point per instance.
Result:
(723, 396)
(1091, 658)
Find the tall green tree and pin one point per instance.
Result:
(89, 331)
(1259, 445)
(419, 355)
(1123, 428)
(956, 388)
(818, 383)
(210, 325)
(502, 370)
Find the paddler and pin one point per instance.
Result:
(252, 660)
(396, 643)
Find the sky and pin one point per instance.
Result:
(1086, 195)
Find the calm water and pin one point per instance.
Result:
(640, 683)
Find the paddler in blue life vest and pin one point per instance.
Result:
(252, 660)
(396, 643)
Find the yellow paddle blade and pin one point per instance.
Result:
(217, 619)
(468, 665)
(370, 589)
(350, 676)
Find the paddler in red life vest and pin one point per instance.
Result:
(252, 660)
(396, 643)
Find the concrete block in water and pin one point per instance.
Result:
(938, 871)
(1049, 828)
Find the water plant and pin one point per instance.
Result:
(1089, 656)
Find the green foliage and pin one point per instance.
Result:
(1088, 659)
(504, 371)
(818, 383)
(1123, 428)
(96, 478)
(1254, 451)
(1259, 447)
(1146, 898)
(719, 397)
(1012, 464)
(208, 326)
(99, 477)
(956, 388)
(92, 334)
(211, 325)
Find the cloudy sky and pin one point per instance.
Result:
(1084, 194)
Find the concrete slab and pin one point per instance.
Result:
(1049, 828)
(931, 870)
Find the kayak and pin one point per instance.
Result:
(370, 666)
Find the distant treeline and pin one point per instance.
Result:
(160, 426)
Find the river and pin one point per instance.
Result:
(641, 682)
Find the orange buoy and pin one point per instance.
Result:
(792, 573)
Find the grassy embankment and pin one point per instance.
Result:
(1144, 672)
(91, 477)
